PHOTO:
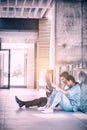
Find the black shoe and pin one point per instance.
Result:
(20, 103)
(57, 105)
(27, 105)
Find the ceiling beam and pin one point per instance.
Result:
(36, 11)
(26, 6)
(23, 8)
(33, 1)
(45, 10)
(8, 8)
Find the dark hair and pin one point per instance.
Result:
(64, 74)
(84, 75)
(70, 77)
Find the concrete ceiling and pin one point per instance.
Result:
(25, 8)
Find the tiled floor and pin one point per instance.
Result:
(14, 118)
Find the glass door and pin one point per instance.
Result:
(18, 68)
(5, 68)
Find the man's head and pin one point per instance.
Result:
(63, 76)
(70, 81)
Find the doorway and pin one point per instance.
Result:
(22, 64)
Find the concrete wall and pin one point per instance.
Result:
(68, 31)
(71, 36)
(84, 30)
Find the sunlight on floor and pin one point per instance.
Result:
(52, 115)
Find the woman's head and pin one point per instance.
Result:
(83, 77)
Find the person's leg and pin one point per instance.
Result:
(54, 99)
(40, 102)
(20, 102)
(49, 100)
(63, 102)
(51, 97)
(36, 102)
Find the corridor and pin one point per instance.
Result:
(14, 118)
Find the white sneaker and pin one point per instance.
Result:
(48, 110)
(41, 108)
